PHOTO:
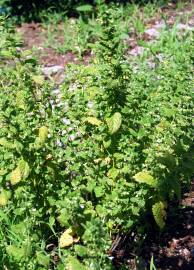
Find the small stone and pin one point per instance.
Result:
(56, 91)
(49, 71)
(152, 32)
(159, 25)
(182, 26)
(138, 50)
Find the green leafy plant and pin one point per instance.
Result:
(111, 148)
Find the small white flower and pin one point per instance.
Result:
(69, 129)
(72, 137)
(59, 143)
(78, 133)
(90, 104)
(60, 104)
(66, 121)
(56, 91)
(63, 132)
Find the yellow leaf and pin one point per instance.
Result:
(93, 120)
(145, 177)
(20, 100)
(66, 239)
(16, 176)
(38, 79)
(21, 172)
(4, 197)
(43, 134)
(114, 123)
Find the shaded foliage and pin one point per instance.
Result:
(31, 10)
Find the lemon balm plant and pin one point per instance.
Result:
(130, 141)
(27, 164)
(115, 148)
(136, 128)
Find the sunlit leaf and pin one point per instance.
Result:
(114, 123)
(159, 213)
(4, 197)
(66, 239)
(145, 177)
(43, 134)
(74, 264)
(93, 121)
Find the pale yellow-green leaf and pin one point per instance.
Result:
(15, 176)
(66, 239)
(107, 144)
(4, 197)
(6, 144)
(20, 100)
(21, 172)
(43, 134)
(113, 173)
(145, 177)
(3, 172)
(74, 264)
(38, 79)
(93, 121)
(114, 123)
(159, 213)
(15, 251)
(42, 259)
(24, 168)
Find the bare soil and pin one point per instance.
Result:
(34, 36)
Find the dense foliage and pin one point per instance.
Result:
(31, 10)
(97, 156)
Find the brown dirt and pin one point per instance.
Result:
(34, 37)
(172, 249)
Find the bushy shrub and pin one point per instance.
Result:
(76, 168)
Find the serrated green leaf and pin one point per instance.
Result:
(38, 79)
(113, 173)
(74, 264)
(81, 250)
(114, 123)
(21, 172)
(145, 177)
(159, 213)
(4, 197)
(93, 121)
(42, 259)
(84, 8)
(43, 134)
(18, 253)
(99, 192)
(5, 143)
